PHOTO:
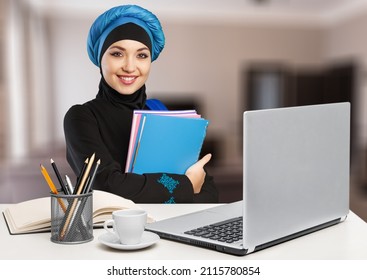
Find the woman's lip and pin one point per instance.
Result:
(128, 80)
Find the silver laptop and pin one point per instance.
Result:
(295, 181)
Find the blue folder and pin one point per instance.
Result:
(167, 144)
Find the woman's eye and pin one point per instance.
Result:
(117, 54)
(143, 55)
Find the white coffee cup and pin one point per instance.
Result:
(128, 225)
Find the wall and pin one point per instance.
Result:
(202, 59)
(48, 70)
(346, 40)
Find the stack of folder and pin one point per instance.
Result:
(165, 141)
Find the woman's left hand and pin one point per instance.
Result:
(196, 173)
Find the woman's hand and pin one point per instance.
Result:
(196, 173)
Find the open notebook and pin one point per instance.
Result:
(34, 215)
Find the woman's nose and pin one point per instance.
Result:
(129, 65)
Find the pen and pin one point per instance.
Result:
(69, 183)
(63, 187)
(52, 186)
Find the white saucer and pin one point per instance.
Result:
(111, 240)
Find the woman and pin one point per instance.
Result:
(123, 42)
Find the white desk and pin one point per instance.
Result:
(347, 240)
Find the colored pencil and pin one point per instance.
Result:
(91, 181)
(80, 176)
(62, 184)
(52, 186)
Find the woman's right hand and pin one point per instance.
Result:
(196, 173)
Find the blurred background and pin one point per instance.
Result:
(221, 57)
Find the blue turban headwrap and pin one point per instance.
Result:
(118, 16)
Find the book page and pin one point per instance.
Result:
(30, 213)
(36, 213)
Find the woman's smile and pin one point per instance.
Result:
(128, 80)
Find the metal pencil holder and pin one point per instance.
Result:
(71, 218)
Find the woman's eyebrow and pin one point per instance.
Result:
(117, 47)
(123, 49)
(143, 49)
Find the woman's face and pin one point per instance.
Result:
(126, 65)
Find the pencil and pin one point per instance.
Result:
(81, 205)
(63, 187)
(75, 202)
(52, 186)
(91, 181)
(85, 175)
(80, 176)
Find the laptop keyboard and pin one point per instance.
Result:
(228, 231)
